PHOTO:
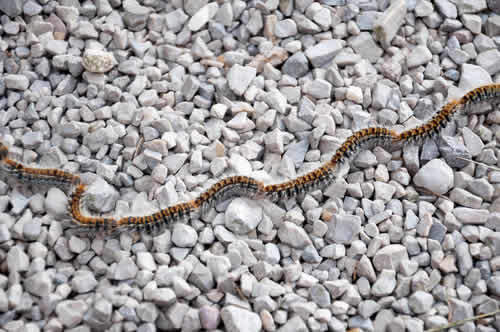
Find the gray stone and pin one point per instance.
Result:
(435, 176)
(420, 302)
(203, 16)
(446, 8)
(16, 82)
(12, 8)
(238, 319)
(70, 313)
(293, 235)
(295, 324)
(99, 316)
(471, 6)
(471, 216)
(243, 216)
(494, 285)
(201, 277)
(494, 6)
(424, 8)
(17, 260)
(97, 61)
(323, 52)
(83, 281)
(318, 89)
(286, 28)
(209, 317)
(385, 284)
(389, 257)
(125, 269)
(459, 310)
(472, 141)
(388, 24)
(465, 198)
(164, 296)
(218, 265)
(343, 229)
(420, 55)
(473, 76)
(145, 261)
(320, 295)
(184, 236)
(464, 258)
(453, 151)
(296, 65)
(489, 60)
(364, 45)
(39, 284)
(240, 77)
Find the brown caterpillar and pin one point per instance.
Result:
(39, 176)
(242, 185)
(433, 126)
(4, 152)
(220, 191)
(481, 94)
(323, 176)
(36, 176)
(105, 225)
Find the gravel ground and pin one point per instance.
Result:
(152, 102)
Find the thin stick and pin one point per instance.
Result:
(138, 147)
(461, 322)
(479, 163)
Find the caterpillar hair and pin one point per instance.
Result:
(481, 94)
(433, 126)
(106, 225)
(159, 221)
(4, 152)
(323, 176)
(240, 185)
(227, 188)
(40, 176)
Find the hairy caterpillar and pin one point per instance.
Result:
(36, 176)
(241, 185)
(323, 176)
(105, 225)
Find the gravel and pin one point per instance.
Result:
(151, 102)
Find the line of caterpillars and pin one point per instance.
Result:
(242, 185)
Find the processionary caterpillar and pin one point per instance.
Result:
(323, 176)
(37, 176)
(480, 94)
(243, 185)
(106, 225)
(441, 119)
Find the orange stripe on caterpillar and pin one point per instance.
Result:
(433, 126)
(107, 225)
(481, 94)
(323, 176)
(4, 152)
(226, 189)
(39, 176)
(363, 139)
(157, 222)
(220, 191)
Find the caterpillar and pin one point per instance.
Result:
(242, 185)
(481, 94)
(441, 119)
(433, 126)
(220, 191)
(105, 225)
(4, 152)
(36, 176)
(323, 176)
